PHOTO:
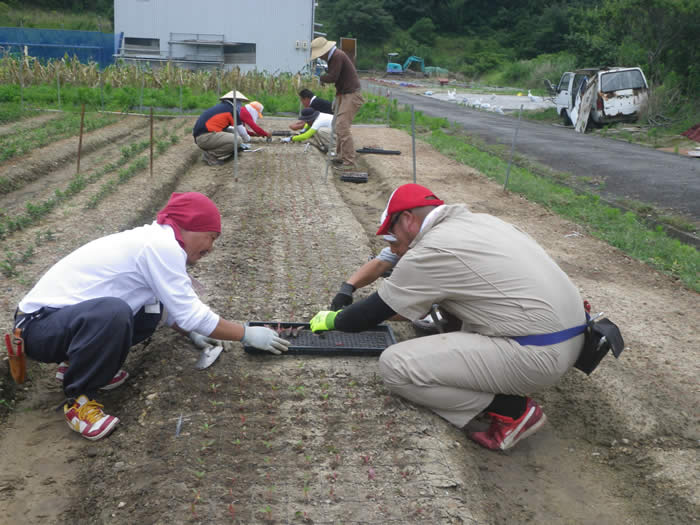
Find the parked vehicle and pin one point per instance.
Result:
(602, 95)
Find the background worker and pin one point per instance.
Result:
(211, 131)
(502, 285)
(309, 100)
(95, 303)
(317, 128)
(348, 98)
(248, 123)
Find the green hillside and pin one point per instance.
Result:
(529, 40)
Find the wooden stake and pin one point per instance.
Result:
(80, 140)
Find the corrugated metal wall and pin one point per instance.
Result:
(274, 26)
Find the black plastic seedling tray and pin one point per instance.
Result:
(368, 343)
(354, 176)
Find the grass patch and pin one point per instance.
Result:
(624, 230)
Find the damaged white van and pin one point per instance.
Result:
(601, 95)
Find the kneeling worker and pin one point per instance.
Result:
(213, 131)
(317, 126)
(522, 317)
(94, 304)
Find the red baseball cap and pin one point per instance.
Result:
(404, 198)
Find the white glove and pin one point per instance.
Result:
(264, 339)
(286, 139)
(202, 341)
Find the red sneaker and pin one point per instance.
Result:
(85, 416)
(505, 432)
(116, 381)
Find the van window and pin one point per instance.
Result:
(616, 80)
(564, 82)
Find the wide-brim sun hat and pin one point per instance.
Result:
(309, 114)
(404, 198)
(230, 96)
(320, 46)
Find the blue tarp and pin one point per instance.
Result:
(56, 43)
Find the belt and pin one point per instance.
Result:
(553, 338)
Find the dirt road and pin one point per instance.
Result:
(319, 440)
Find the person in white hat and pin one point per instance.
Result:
(523, 320)
(348, 97)
(213, 131)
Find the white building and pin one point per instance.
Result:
(267, 35)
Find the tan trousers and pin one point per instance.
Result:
(457, 374)
(349, 104)
(220, 143)
(323, 138)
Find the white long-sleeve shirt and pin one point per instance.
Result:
(140, 266)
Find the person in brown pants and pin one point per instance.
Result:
(348, 97)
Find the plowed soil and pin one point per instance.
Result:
(267, 439)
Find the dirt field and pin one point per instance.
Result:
(320, 440)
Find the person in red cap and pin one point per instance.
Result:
(90, 307)
(522, 317)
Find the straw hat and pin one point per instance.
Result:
(320, 46)
(229, 96)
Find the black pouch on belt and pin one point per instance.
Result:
(601, 337)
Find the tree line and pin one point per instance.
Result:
(662, 36)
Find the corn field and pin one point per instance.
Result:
(28, 71)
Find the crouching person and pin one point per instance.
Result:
(108, 295)
(522, 317)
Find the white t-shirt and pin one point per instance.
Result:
(324, 120)
(140, 266)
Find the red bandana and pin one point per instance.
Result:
(192, 211)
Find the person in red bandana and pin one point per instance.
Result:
(90, 307)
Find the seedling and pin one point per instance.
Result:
(194, 502)
(206, 427)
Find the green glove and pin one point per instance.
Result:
(324, 320)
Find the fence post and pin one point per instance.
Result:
(143, 80)
(413, 139)
(80, 140)
(181, 92)
(151, 163)
(21, 81)
(512, 147)
(58, 87)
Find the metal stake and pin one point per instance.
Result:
(512, 147)
(413, 139)
(331, 145)
(80, 140)
(21, 81)
(143, 80)
(235, 136)
(102, 95)
(151, 163)
(180, 91)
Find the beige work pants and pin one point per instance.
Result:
(349, 104)
(219, 143)
(457, 374)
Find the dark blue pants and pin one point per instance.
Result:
(95, 336)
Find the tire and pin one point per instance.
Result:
(565, 118)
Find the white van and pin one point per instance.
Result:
(606, 94)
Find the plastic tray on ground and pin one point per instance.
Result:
(333, 343)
